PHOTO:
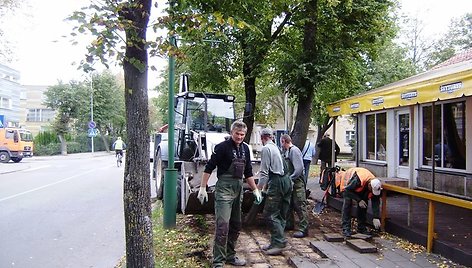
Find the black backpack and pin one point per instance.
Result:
(328, 177)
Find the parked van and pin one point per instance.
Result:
(15, 143)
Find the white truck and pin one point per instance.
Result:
(202, 120)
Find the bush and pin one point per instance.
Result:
(46, 137)
(47, 143)
(48, 149)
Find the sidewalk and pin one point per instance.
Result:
(453, 225)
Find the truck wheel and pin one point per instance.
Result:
(16, 159)
(179, 194)
(158, 170)
(4, 157)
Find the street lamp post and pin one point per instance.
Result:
(91, 105)
(170, 173)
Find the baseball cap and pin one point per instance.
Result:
(266, 131)
(376, 186)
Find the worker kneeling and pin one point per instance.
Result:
(360, 185)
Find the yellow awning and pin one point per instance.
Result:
(449, 82)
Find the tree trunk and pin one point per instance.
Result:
(305, 97)
(250, 89)
(302, 122)
(249, 59)
(63, 144)
(105, 142)
(137, 192)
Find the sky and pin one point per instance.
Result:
(44, 57)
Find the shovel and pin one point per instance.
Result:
(321, 205)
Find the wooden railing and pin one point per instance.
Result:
(431, 197)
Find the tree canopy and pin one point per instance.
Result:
(72, 102)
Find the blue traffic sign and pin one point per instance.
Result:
(92, 124)
(92, 132)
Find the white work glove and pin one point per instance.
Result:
(202, 195)
(258, 196)
(362, 204)
(376, 223)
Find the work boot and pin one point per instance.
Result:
(364, 232)
(347, 234)
(289, 227)
(275, 250)
(266, 247)
(237, 262)
(300, 234)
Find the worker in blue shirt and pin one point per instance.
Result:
(308, 153)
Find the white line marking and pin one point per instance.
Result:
(45, 186)
(36, 168)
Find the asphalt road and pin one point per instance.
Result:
(62, 211)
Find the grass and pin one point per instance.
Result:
(185, 246)
(315, 169)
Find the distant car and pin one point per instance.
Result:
(161, 139)
(151, 151)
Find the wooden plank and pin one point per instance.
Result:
(333, 237)
(301, 262)
(361, 236)
(361, 246)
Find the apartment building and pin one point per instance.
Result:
(10, 91)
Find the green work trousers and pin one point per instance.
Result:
(346, 216)
(299, 205)
(228, 199)
(277, 204)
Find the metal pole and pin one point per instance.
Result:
(286, 109)
(91, 104)
(170, 173)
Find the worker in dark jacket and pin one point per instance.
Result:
(360, 185)
(325, 149)
(232, 160)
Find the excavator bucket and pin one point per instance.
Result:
(194, 206)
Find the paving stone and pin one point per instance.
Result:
(261, 265)
(361, 246)
(348, 252)
(334, 252)
(334, 237)
(394, 255)
(256, 257)
(385, 263)
(364, 262)
(301, 262)
(278, 260)
(422, 261)
(313, 255)
(361, 236)
(305, 249)
(320, 247)
(326, 264)
(318, 237)
(408, 264)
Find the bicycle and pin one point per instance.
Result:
(119, 158)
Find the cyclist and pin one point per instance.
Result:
(118, 146)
